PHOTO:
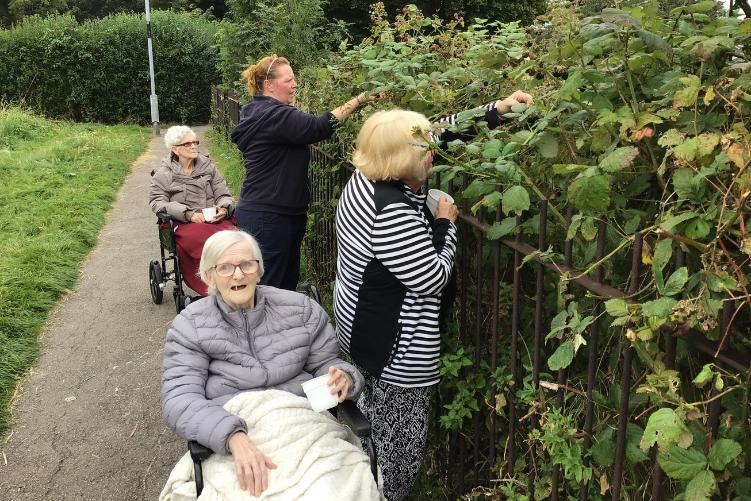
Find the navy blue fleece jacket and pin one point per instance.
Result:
(273, 138)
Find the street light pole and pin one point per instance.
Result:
(154, 100)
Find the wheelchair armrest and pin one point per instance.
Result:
(198, 452)
(354, 418)
(163, 217)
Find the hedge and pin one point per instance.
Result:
(98, 70)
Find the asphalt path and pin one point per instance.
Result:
(87, 421)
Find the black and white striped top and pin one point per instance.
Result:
(391, 269)
(393, 262)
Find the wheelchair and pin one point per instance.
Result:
(159, 273)
(347, 411)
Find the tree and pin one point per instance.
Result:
(357, 12)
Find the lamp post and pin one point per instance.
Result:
(154, 100)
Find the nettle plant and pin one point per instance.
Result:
(640, 120)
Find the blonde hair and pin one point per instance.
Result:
(265, 69)
(219, 242)
(392, 145)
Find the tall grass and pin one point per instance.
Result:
(58, 181)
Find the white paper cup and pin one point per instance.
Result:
(319, 393)
(433, 197)
(209, 213)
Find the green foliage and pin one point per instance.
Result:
(641, 122)
(56, 193)
(356, 12)
(294, 29)
(98, 70)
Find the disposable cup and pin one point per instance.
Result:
(319, 394)
(209, 213)
(433, 197)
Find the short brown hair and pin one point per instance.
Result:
(265, 69)
(392, 145)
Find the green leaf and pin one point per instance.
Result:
(697, 229)
(492, 200)
(686, 151)
(588, 228)
(704, 375)
(659, 307)
(664, 428)
(653, 41)
(619, 159)
(672, 137)
(558, 323)
(590, 193)
(662, 254)
(569, 168)
(548, 146)
(562, 356)
(492, 149)
(634, 454)
(478, 188)
(701, 487)
(682, 464)
(700, 7)
(603, 449)
(616, 307)
(675, 283)
(499, 230)
(676, 220)
(687, 96)
(723, 452)
(598, 46)
(573, 227)
(620, 18)
(515, 199)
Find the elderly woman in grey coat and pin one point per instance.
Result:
(185, 184)
(244, 337)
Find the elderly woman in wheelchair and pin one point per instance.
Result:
(189, 189)
(234, 365)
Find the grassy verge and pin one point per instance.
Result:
(59, 180)
(228, 160)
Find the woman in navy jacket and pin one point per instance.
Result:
(273, 136)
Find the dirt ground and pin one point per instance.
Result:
(88, 420)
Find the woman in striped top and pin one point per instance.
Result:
(394, 260)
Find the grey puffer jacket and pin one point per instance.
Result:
(211, 354)
(179, 195)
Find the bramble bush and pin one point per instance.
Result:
(640, 120)
(98, 70)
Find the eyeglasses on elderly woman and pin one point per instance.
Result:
(189, 143)
(228, 269)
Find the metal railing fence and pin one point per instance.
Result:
(502, 315)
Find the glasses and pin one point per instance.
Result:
(228, 269)
(189, 143)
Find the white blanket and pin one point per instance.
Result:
(317, 458)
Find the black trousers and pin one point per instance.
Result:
(280, 237)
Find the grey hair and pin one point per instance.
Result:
(217, 244)
(175, 133)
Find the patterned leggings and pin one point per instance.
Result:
(399, 422)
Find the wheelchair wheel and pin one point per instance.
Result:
(181, 301)
(155, 282)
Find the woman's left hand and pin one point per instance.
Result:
(504, 106)
(221, 213)
(339, 382)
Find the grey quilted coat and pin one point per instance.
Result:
(179, 195)
(211, 354)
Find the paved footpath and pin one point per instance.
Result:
(88, 420)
